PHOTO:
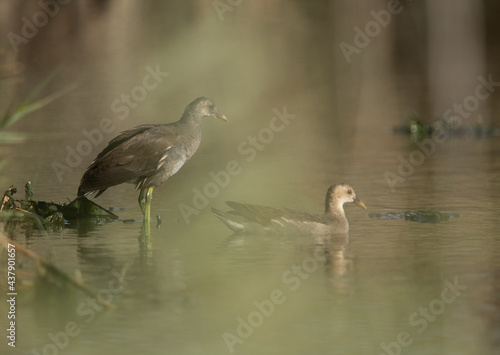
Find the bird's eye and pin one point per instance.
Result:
(349, 192)
(211, 106)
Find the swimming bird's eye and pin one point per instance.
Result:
(349, 192)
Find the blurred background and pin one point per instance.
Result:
(350, 70)
(351, 75)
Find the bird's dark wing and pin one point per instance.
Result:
(130, 157)
(122, 137)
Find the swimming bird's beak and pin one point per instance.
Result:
(220, 116)
(359, 203)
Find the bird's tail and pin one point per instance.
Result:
(229, 220)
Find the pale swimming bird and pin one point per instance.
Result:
(244, 218)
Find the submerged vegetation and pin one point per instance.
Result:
(418, 129)
(420, 216)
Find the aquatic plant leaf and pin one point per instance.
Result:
(33, 93)
(26, 107)
(12, 137)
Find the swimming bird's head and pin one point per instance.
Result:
(339, 194)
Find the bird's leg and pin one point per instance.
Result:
(145, 202)
(149, 197)
(142, 200)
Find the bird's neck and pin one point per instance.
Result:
(190, 126)
(334, 208)
(188, 118)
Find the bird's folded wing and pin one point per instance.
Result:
(266, 215)
(132, 155)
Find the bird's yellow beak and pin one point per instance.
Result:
(220, 116)
(359, 203)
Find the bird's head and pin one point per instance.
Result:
(339, 194)
(202, 107)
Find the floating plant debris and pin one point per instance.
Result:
(49, 213)
(420, 216)
(418, 129)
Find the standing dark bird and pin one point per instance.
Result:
(149, 154)
(268, 220)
